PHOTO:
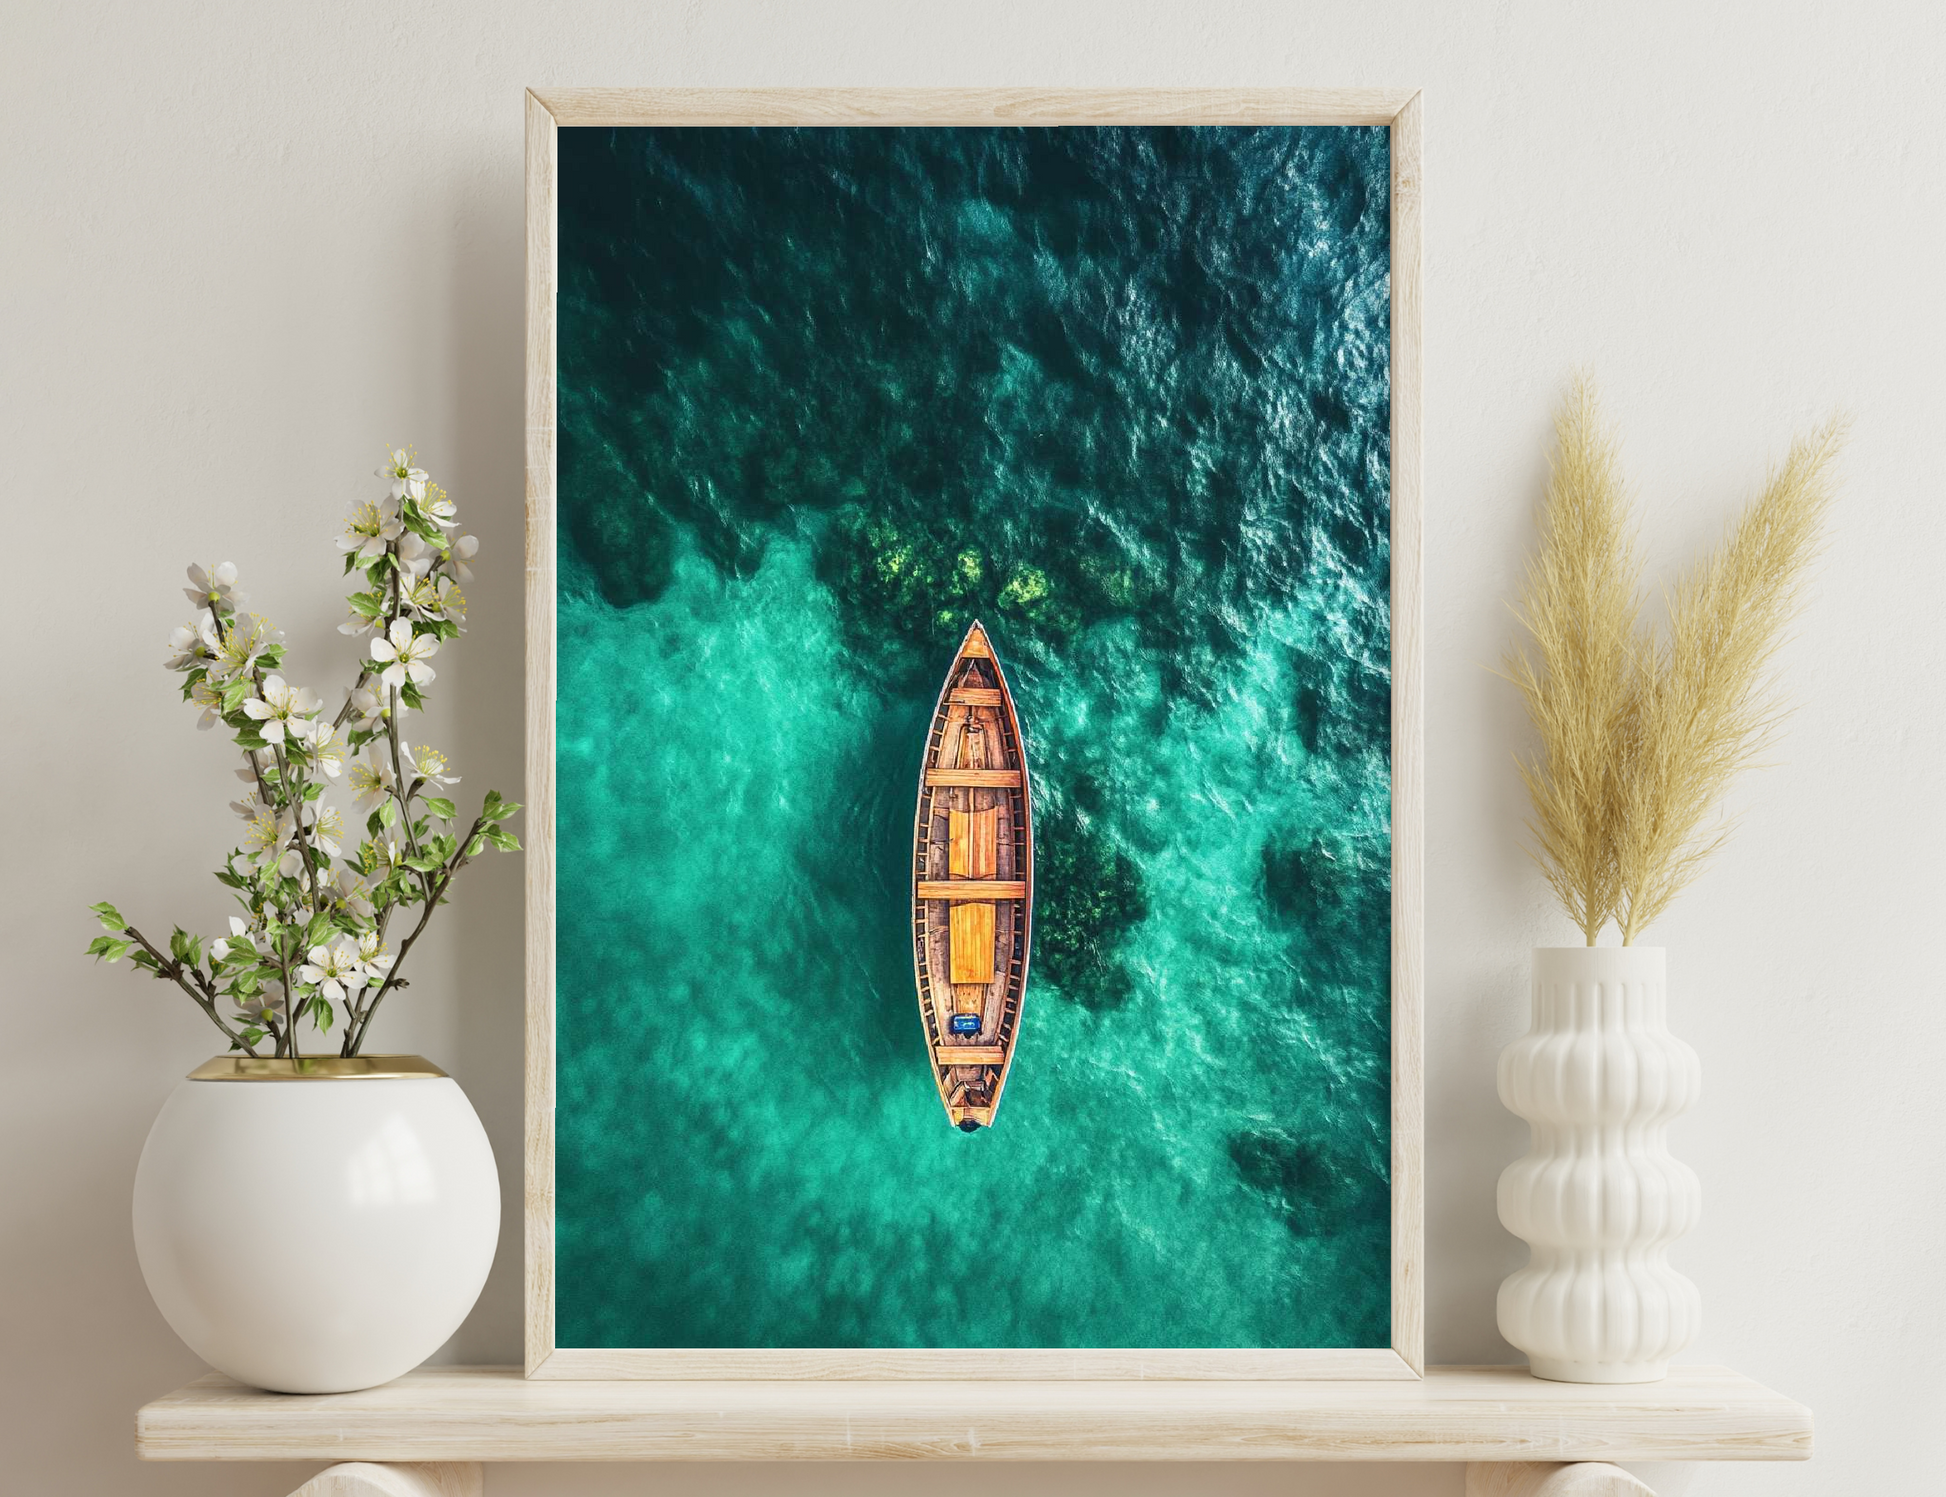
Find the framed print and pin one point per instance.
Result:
(974, 735)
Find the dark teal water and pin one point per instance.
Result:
(825, 396)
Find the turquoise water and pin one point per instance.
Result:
(825, 397)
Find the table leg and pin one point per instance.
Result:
(401, 1479)
(1551, 1479)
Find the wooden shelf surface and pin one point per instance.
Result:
(1455, 1414)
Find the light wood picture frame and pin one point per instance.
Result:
(547, 112)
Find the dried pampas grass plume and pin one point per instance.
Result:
(1579, 605)
(1641, 734)
(1705, 707)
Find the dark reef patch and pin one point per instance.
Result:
(1088, 897)
(1319, 1193)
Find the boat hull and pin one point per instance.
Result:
(972, 884)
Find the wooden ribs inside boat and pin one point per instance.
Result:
(972, 884)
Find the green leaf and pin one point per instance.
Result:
(425, 862)
(497, 809)
(229, 879)
(252, 1035)
(148, 963)
(444, 809)
(250, 738)
(234, 693)
(388, 811)
(195, 957)
(410, 695)
(474, 847)
(318, 928)
(179, 944)
(109, 916)
(321, 1014)
(503, 839)
(374, 824)
(108, 948)
(366, 605)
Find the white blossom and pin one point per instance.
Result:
(347, 892)
(282, 709)
(328, 830)
(407, 481)
(435, 506)
(428, 765)
(371, 780)
(210, 699)
(370, 708)
(377, 961)
(403, 655)
(263, 838)
(416, 558)
(242, 645)
(372, 526)
(325, 742)
(213, 585)
(356, 623)
(437, 597)
(266, 1006)
(334, 969)
(459, 551)
(192, 643)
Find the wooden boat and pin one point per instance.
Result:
(972, 884)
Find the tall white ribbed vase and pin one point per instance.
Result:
(1599, 1198)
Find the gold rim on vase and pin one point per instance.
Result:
(316, 1068)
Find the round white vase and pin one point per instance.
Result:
(320, 1225)
(1599, 1198)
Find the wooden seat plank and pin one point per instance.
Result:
(971, 888)
(989, 779)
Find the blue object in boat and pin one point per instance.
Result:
(966, 1023)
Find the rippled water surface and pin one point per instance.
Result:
(827, 395)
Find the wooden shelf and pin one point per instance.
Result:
(1455, 1414)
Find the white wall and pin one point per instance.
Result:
(244, 244)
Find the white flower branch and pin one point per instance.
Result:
(311, 941)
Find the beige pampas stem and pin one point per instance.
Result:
(1641, 735)
(1579, 605)
(1705, 707)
